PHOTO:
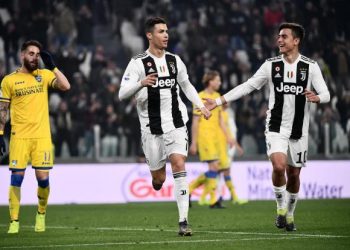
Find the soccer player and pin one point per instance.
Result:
(26, 90)
(290, 77)
(226, 153)
(154, 77)
(206, 141)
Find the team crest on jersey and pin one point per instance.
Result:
(38, 78)
(277, 68)
(172, 66)
(303, 74)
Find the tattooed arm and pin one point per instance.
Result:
(4, 106)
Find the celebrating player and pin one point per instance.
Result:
(290, 77)
(154, 78)
(26, 90)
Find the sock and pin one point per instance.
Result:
(210, 186)
(205, 192)
(197, 182)
(292, 199)
(280, 194)
(220, 186)
(181, 194)
(43, 195)
(15, 195)
(14, 202)
(231, 188)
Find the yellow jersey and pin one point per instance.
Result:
(225, 118)
(212, 125)
(27, 94)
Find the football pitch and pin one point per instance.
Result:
(322, 224)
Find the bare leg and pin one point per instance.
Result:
(158, 178)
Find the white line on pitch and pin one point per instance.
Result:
(196, 231)
(150, 242)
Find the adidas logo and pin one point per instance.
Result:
(278, 75)
(151, 70)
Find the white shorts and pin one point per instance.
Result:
(296, 150)
(158, 147)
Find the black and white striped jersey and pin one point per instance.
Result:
(288, 111)
(159, 107)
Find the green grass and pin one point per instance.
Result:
(322, 224)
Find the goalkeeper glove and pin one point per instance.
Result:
(48, 60)
(2, 145)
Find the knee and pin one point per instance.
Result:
(16, 180)
(178, 166)
(43, 183)
(279, 168)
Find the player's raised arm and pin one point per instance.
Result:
(257, 81)
(61, 81)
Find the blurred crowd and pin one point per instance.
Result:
(93, 40)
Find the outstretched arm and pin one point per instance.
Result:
(193, 96)
(257, 81)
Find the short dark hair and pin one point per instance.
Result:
(35, 43)
(208, 76)
(298, 30)
(151, 22)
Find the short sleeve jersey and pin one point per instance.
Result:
(27, 94)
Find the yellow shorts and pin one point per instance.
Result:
(224, 159)
(38, 150)
(208, 148)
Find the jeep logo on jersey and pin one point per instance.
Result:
(290, 88)
(164, 83)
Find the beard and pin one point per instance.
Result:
(30, 66)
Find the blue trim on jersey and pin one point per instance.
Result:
(227, 178)
(43, 168)
(17, 169)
